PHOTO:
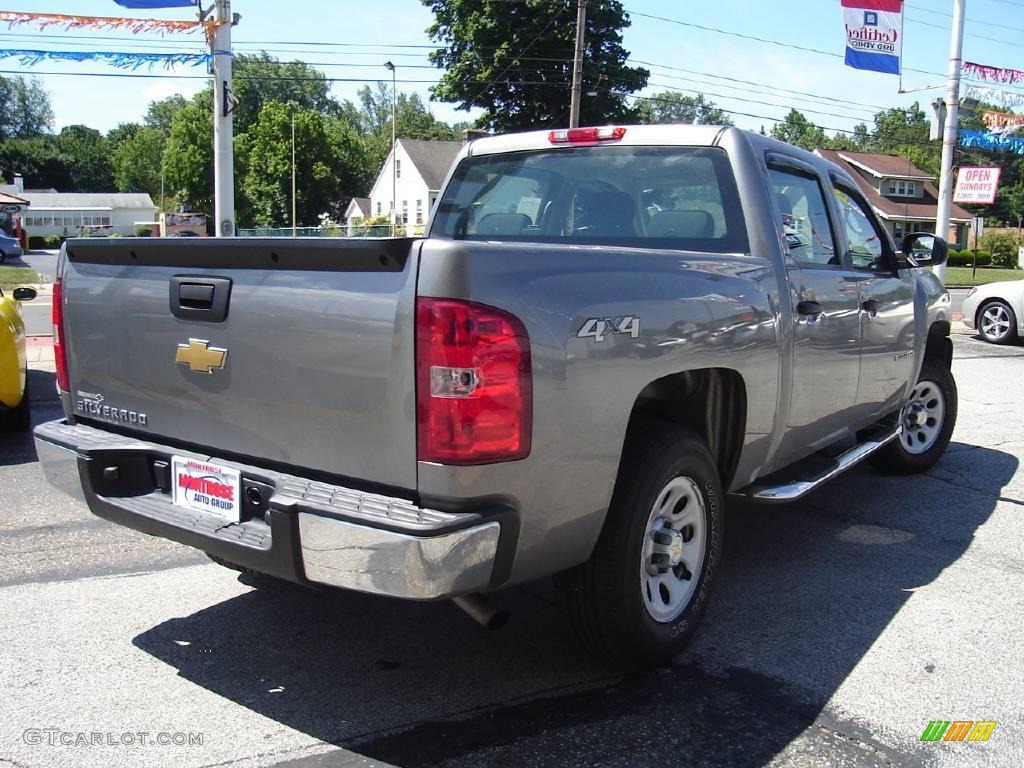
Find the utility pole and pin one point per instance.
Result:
(577, 64)
(223, 146)
(949, 133)
(293, 170)
(394, 149)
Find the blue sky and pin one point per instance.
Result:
(679, 57)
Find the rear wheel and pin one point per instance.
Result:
(926, 422)
(997, 323)
(641, 595)
(2, 257)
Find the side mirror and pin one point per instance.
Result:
(24, 294)
(924, 250)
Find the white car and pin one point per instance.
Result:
(996, 310)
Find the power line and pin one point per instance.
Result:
(972, 21)
(966, 34)
(761, 39)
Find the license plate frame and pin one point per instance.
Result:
(208, 487)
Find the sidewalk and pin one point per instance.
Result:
(39, 353)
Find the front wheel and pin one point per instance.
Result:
(997, 323)
(641, 595)
(17, 419)
(926, 423)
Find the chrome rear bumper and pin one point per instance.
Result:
(304, 531)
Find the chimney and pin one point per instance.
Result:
(19, 183)
(469, 134)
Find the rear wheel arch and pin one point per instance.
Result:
(711, 402)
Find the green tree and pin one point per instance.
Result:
(904, 131)
(491, 53)
(137, 162)
(120, 134)
(160, 113)
(87, 156)
(674, 107)
(372, 117)
(260, 79)
(797, 129)
(267, 182)
(37, 159)
(188, 156)
(25, 109)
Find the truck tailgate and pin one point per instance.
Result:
(318, 338)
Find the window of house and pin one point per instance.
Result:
(405, 211)
(378, 207)
(419, 211)
(902, 188)
(805, 218)
(398, 168)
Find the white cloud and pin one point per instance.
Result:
(162, 89)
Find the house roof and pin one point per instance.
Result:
(361, 203)
(6, 199)
(113, 200)
(885, 166)
(923, 209)
(431, 158)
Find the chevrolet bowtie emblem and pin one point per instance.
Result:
(200, 357)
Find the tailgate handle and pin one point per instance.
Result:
(200, 298)
(195, 296)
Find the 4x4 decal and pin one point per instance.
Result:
(597, 328)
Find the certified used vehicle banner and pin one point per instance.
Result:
(874, 34)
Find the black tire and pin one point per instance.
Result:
(898, 458)
(2, 257)
(1004, 310)
(605, 594)
(19, 418)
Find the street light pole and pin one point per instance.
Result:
(577, 65)
(293, 171)
(394, 149)
(949, 132)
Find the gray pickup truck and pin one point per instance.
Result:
(604, 332)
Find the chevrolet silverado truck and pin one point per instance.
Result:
(604, 332)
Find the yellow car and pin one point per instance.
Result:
(14, 406)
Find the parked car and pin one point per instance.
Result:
(9, 246)
(996, 311)
(14, 405)
(603, 333)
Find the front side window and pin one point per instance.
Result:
(645, 197)
(864, 239)
(805, 218)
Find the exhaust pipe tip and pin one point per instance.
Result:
(483, 611)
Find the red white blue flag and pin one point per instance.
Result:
(874, 34)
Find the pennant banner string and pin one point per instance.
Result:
(979, 140)
(1001, 98)
(136, 26)
(993, 74)
(119, 59)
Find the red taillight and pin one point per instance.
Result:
(586, 135)
(474, 398)
(59, 350)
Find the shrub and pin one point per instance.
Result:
(52, 241)
(143, 232)
(983, 258)
(36, 243)
(959, 258)
(1003, 247)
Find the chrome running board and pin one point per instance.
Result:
(791, 490)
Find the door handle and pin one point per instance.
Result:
(870, 306)
(809, 308)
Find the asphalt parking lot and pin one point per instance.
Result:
(842, 625)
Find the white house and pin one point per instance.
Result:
(73, 213)
(419, 168)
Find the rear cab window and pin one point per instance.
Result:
(681, 198)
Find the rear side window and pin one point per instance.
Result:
(647, 197)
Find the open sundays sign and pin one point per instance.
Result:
(976, 185)
(874, 34)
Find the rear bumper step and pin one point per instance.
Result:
(294, 528)
(791, 489)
